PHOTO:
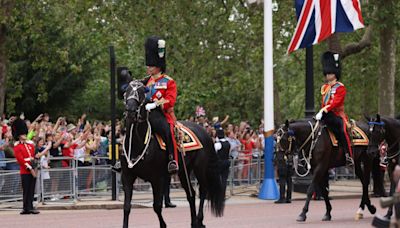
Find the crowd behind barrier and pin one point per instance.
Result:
(75, 158)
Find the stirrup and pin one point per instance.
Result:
(172, 167)
(349, 160)
(116, 167)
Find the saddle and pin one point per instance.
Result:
(357, 136)
(184, 137)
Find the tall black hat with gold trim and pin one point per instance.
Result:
(155, 52)
(331, 64)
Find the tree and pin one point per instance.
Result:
(6, 7)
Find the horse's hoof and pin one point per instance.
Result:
(372, 209)
(358, 216)
(301, 218)
(327, 217)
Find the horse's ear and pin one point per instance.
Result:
(287, 124)
(367, 117)
(378, 118)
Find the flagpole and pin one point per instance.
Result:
(269, 188)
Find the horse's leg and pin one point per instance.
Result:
(190, 195)
(359, 173)
(325, 194)
(200, 215)
(302, 217)
(392, 188)
(319, 173)
(127, 182)
(157, 187)
(367, 174)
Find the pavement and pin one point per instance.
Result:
(348, 189)
(261, 213)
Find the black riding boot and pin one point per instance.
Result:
(282, 185)
(160, 126)
(289, 187)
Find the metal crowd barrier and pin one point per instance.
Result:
(246, 171)
(60, 184)
(73, 181)
(10, 182)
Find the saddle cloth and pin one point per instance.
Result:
(358, 137)
(187, 136)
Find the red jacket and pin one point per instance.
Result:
(333, 98)
(23, 153)
(164, 87)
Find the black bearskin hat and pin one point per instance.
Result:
(155, 52)
(18, 128)
(331, 64)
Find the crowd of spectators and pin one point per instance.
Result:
(86, 141)
(78, 139)
(246, 141)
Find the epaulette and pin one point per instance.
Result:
(168, 77)
(30, 142)
(324, 89)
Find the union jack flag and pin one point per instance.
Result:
(318, 19)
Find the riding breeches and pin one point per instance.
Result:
(338, 128)
(160, 126)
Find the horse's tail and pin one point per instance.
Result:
(216, 191)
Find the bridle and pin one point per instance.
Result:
(291, 139)
(137, 118)
(293, 150)
(135, 86)
(371, 129)
(382, 145)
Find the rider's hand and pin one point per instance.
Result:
(150, 106)
(319, 115)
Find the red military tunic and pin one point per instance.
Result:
(333, 98)
(164, 88)
(24, 152)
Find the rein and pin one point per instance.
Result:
(313, 137)
(146, 142)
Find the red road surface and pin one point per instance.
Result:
(262, 214)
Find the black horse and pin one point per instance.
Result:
(143, 158)
(309, 144)
(386, 129)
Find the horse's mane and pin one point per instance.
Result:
(306, 120)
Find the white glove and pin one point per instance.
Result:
(319, 115)
(150, 106)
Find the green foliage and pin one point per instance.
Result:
(58, 57)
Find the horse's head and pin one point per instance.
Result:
(285, 139)
(135, 99)
(376, 134)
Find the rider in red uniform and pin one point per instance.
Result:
(162, 92)
(333, 98)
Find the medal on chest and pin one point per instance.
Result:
(158, 94)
